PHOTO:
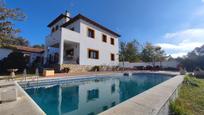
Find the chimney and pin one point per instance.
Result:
(67, 13)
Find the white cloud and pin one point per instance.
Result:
(196, 34)
(179, 54)
(184, 46)
(184, 41)
(181, 42)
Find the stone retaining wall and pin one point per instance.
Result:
(76, 68)
(85, 68)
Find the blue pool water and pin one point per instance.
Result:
(90, 97)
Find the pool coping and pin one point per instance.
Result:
(73, 77)
(154, 101)
(60, 80)
(49, 81)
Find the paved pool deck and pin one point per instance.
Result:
(23, 105)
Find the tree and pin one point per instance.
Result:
(15, 60)
(8, 35)
(14, 41)
(21, 41)
(129, 51)
(152, 53)
(159, 54)
(147, 53)
(39, 46)
(193, 60)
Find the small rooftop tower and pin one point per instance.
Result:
(68, 16)
(60, 20)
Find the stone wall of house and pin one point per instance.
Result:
(74, 68)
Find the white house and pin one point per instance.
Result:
(33, 53)
(4, 52)
(82, 41)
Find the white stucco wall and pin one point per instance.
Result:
(61, 22)
(4, 53)
(50, 40)
(164, 64)
(105, 49)
(75, 25)
(53, 38)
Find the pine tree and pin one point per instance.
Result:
(8, 35)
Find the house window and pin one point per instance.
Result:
(92, 113)
(72, 29)
(113, 88)
(113, 104)
(104, 38)
(112, 41)
(93, 94)
(105, 108)
(112, 56)
(91, 33)
(53, 29)
(57, 27)
(70, 52)
(93, 54)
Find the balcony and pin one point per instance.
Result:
(54, 38)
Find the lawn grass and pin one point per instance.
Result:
(191, 98)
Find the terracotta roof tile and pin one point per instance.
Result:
(29, 49)
(79, 16)
(25, 48)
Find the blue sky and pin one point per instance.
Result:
(176, 25)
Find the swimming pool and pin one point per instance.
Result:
(90, 96)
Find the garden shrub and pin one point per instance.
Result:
(176, 108)
(190, 80)
(66, 70)
(95, 68)
(15, 60)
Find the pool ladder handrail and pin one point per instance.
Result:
(37, 79)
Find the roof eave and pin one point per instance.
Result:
(56, 20)
(79, 16)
